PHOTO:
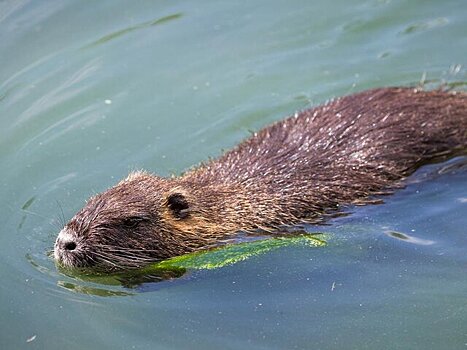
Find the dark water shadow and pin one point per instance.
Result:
(128, 283)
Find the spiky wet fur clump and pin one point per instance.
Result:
(296, 170)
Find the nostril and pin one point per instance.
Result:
(70, 246)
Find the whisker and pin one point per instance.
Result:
(118, 260)
(52, 221)
(62, 219)
(127, 249)
(106, 260)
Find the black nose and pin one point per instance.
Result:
(66, 243)
(70, 245)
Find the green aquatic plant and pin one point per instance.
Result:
(231, 254)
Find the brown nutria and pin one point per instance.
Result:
(294, 171)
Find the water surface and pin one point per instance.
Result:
(91, 91)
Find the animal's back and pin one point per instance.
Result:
(346, 150)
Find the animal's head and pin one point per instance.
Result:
(142, 219)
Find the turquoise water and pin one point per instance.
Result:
(92, 90)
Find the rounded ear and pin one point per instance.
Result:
(178, 205)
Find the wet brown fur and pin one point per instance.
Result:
(294, 171)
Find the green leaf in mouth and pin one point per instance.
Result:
(233, 253)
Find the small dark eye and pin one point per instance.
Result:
(132, 222)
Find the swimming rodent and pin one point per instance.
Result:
(298, 170)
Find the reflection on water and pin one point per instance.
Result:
(100, 292)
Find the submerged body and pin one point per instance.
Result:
(297, 170)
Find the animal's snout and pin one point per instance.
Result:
(69, 245)
(65, 244)
(70, 250)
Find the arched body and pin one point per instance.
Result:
(296, 170)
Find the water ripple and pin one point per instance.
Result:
(7, 8)
(119, 33)
(425, 25)
(57, 95)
